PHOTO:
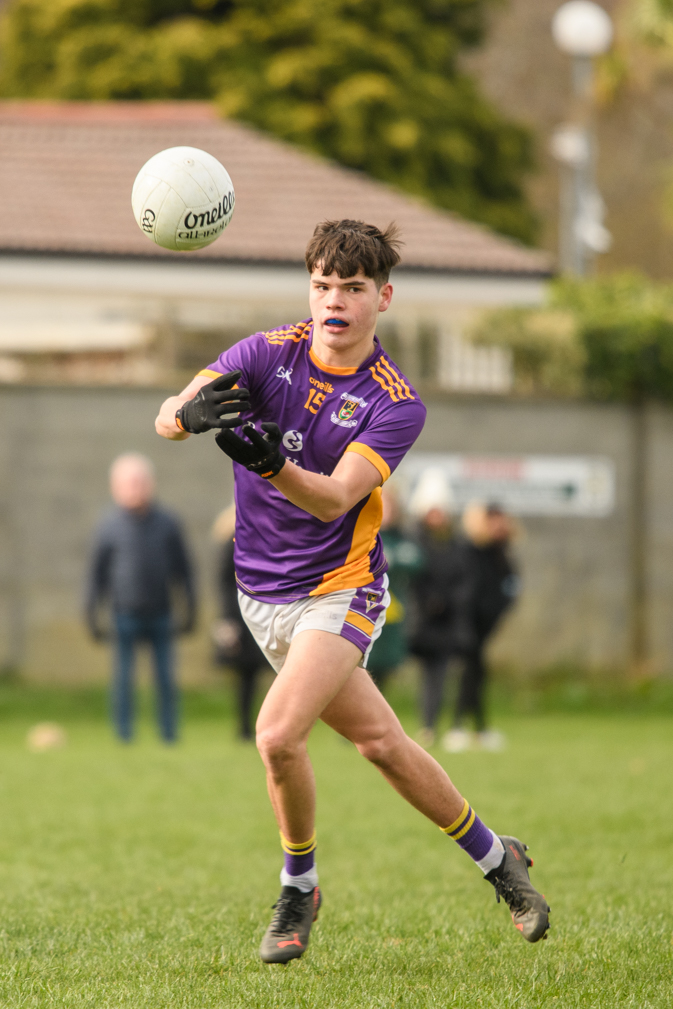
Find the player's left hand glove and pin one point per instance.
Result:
(261, 454)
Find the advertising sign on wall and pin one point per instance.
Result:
(561, 485)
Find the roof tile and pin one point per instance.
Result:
(67, 170)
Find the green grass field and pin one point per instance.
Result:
(143, 877)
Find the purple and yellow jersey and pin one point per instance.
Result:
(282, 553)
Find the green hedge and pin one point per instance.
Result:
(608, 338)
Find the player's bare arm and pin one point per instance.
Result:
(329, 497)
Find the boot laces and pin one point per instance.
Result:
(505, 887)
(289, 914)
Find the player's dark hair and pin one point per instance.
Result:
(346, 247)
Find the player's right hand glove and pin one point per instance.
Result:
(261, 454)
(208, 408)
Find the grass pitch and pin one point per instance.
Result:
(143, 876)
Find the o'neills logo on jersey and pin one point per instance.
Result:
(204, 223)
(350, 405)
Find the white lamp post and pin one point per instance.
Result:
(583, 30)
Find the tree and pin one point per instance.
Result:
(374, 84)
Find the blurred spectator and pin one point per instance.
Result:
(235, 646)
(139, 564)
(485, 585)
(431, 503)
(404, 559)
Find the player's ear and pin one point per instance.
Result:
(385, 297)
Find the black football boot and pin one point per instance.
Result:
(287, 936)
(529, 909)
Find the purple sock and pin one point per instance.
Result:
(299, 858)
(481, 844)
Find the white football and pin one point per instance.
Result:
(183, 198)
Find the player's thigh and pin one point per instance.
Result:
(361, 713)
(317, 666)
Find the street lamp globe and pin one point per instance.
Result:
(582, 28)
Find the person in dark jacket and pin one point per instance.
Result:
(235, 646)
(485, 585)
(139, 566)
(432, 587)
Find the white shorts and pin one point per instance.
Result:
(355, 614)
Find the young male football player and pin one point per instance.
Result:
(327, 416)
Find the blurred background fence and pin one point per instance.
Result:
(598, 590)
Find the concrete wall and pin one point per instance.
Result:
(577, 582)
(57, 445)
(54, 458)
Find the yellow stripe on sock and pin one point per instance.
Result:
(456, 823)
(303, 848)
(465, 828)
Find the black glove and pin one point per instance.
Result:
(211, 403)
(260, 455)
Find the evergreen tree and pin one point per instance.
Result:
(374, 84)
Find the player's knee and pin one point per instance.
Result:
(276, 747)
(380, 747)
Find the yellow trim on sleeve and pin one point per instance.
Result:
(209, 373)
(371, 456)
(361, 622)
(456, 823)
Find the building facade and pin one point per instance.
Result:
(85, 297)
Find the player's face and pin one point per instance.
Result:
(345, 311)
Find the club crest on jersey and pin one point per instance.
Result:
(350, 404)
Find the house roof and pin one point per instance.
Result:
(67, 169)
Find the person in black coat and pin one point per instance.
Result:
(485, 585)
(432, 593)
(235, 646)
(139, 570)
